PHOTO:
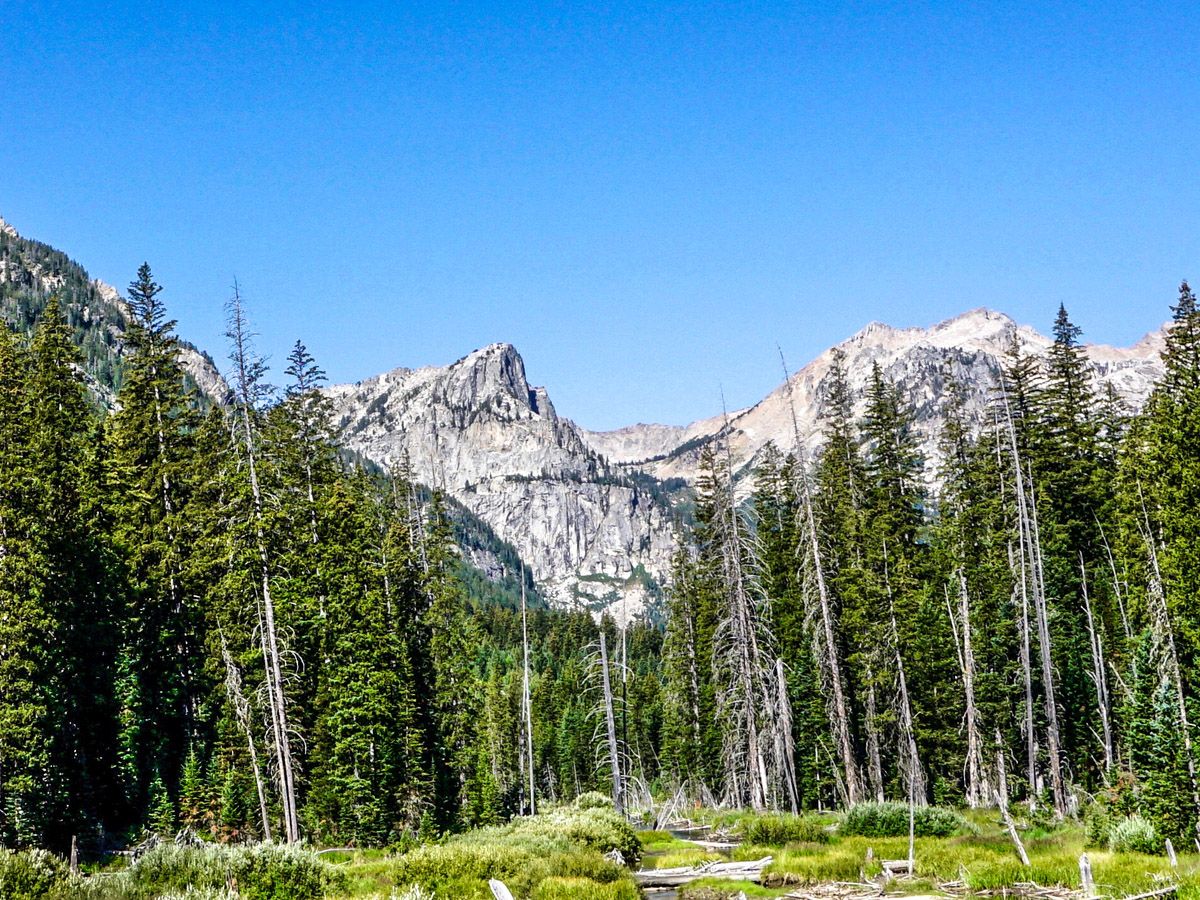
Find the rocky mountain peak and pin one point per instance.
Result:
(494, 376)
(7, 229)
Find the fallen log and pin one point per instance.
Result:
(675, 877)
(1161, 892)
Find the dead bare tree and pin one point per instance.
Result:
(977, 788)
(785, 749)
(1099, 678)
(871, 726)
(526, 700)
(910, 760)
(241, 713)
(1053, 741)
(1032, 584)
(248, 372)
(738, 654)
(614, 754)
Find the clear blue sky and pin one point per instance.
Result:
(643, 198)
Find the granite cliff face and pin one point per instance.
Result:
(478, 430)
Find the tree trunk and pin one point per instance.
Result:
(977, 790)
(610, 722)
(874, 759)
(245, 379)
(1098, 669)
(839, 709)
(241, 711)
(1053, 742)
(526, 700)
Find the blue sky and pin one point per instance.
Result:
(645, 198)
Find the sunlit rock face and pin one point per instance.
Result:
(478, 430)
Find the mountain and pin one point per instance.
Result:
(30, 272)
(972, 346)
(594, 536)
(592, 512)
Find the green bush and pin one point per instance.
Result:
(30, 874)
(1097, 824)
(593, 800)
(777, 830)
(261, 871)
(1134, 834)
(891, 820)
(565, 843)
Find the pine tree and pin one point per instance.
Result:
(78, 583)
(153, 465)
(28, 629)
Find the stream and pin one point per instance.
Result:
(684, 834)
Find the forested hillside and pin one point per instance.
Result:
(1030, 631)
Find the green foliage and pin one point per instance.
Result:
(593, 800)
(565, 888)
(261, 872)
(564, 843)
(892, 819)
(30, 874)
(1134, 834)
(777, 830)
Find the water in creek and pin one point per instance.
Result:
(683, 834)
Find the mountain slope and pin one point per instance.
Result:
(972, 346)
(591, 511)
(31, 272)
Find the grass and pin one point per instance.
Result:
(560, 856)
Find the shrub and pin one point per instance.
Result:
(777, 830)
(891, 820)
(30, 874)
(566, 843)
(1098, 823)
(593, 800)
(1134, 834)
(261, 871)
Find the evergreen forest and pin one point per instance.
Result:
(212, 618)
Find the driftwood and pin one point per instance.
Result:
(751, 871)
(837, 890)
(1161, 892)
(893, 868)
(1085, 876)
